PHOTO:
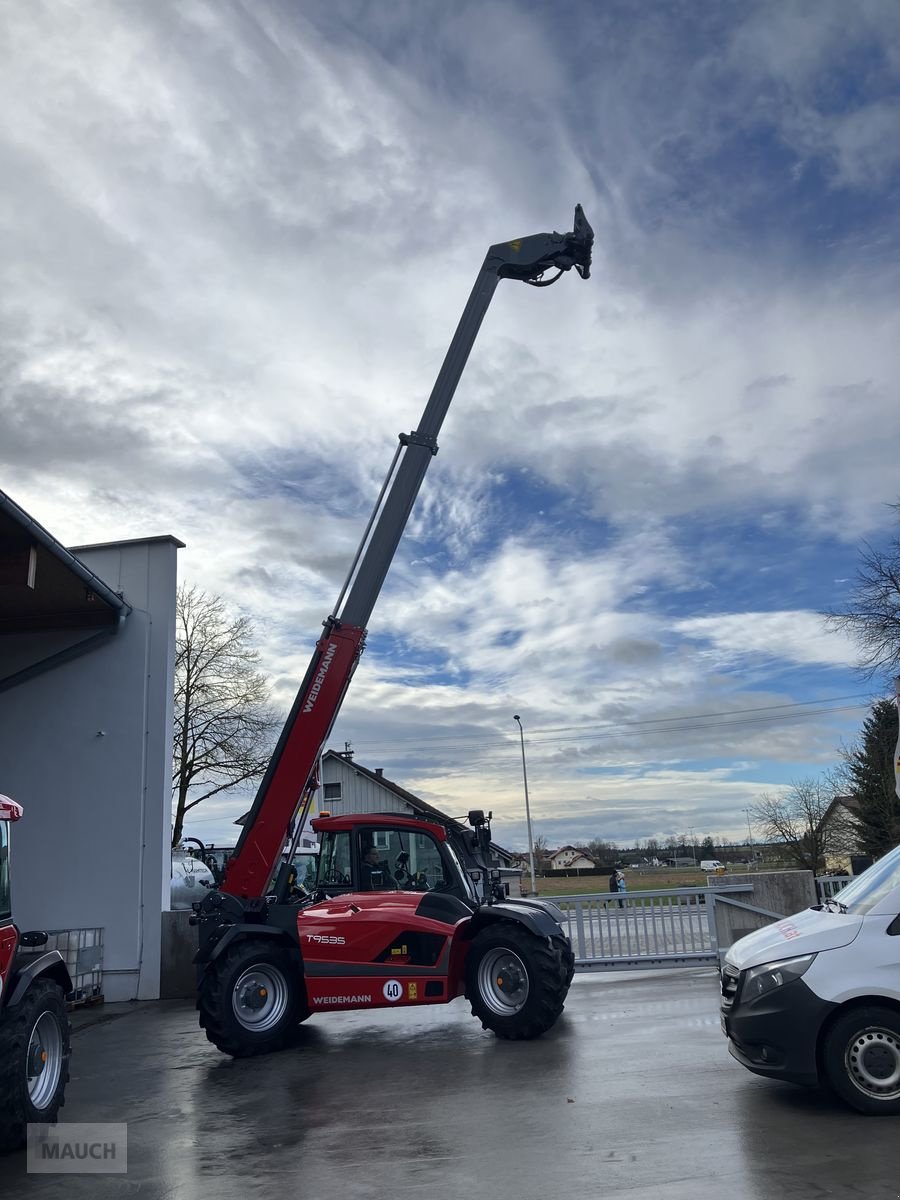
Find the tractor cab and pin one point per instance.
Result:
(384, 852)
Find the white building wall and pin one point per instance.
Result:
(87, 749)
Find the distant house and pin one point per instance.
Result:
(521, 861)
(569, 858)
(346, 786)
(843, 854)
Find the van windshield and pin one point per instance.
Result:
(873, 885)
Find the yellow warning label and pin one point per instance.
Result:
(516, 245)
(412, 991)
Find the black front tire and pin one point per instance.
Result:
(34, 1039)
(516, 982)
(252, 999)
(861, 1059)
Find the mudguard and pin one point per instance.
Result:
(211, 950)
(50, 965)
(537, 918)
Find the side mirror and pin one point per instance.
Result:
(34, 938)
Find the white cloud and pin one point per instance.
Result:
(789, 637)
(236, 240)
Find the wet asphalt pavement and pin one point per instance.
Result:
(632, 1094)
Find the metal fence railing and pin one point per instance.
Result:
(829, 885)
(644, 929)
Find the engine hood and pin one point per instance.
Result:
(805, 933)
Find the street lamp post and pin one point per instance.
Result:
(749, 837)
(518, 721)
(694, 849)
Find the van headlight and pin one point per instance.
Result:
(768, 976)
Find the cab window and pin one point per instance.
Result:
(334, 861)
(5, 903)
(400, 858)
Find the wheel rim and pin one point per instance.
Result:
(259, 999)
(44, 1060)
(503, 982)
(873, 1063)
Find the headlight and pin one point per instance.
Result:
(769, 976)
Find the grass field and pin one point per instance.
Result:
(642, 879)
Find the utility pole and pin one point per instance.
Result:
(750, 837)
(518, 720)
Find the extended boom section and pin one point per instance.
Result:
(250, 870)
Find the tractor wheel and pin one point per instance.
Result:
(252, 999)
(516, 982)
(861, 1058)
(34, 1061)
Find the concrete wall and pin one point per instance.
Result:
(781, 892)
(178, 975)
(86, 748)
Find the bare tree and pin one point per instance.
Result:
(224, 726)
(541, 850)
(872, 614)
(602, 851)
(807, 822)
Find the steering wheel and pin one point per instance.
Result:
(406, 879)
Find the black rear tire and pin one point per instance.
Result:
(252, 999)
(567, 959)
(34, 1061)
(861, 1059)
(516, 982)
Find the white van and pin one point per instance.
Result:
(815, 999)
(712, 866)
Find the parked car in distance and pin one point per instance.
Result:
(712, 866)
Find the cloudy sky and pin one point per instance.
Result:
(236, 239)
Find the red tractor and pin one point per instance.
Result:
(34, 1024)
(395, 920)
(413, 930)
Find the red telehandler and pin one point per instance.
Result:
(394, 917)
(34, 1024)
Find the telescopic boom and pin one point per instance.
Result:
(250, 869)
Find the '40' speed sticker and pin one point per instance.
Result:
(392, 990)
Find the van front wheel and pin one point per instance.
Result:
(861, 1058)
